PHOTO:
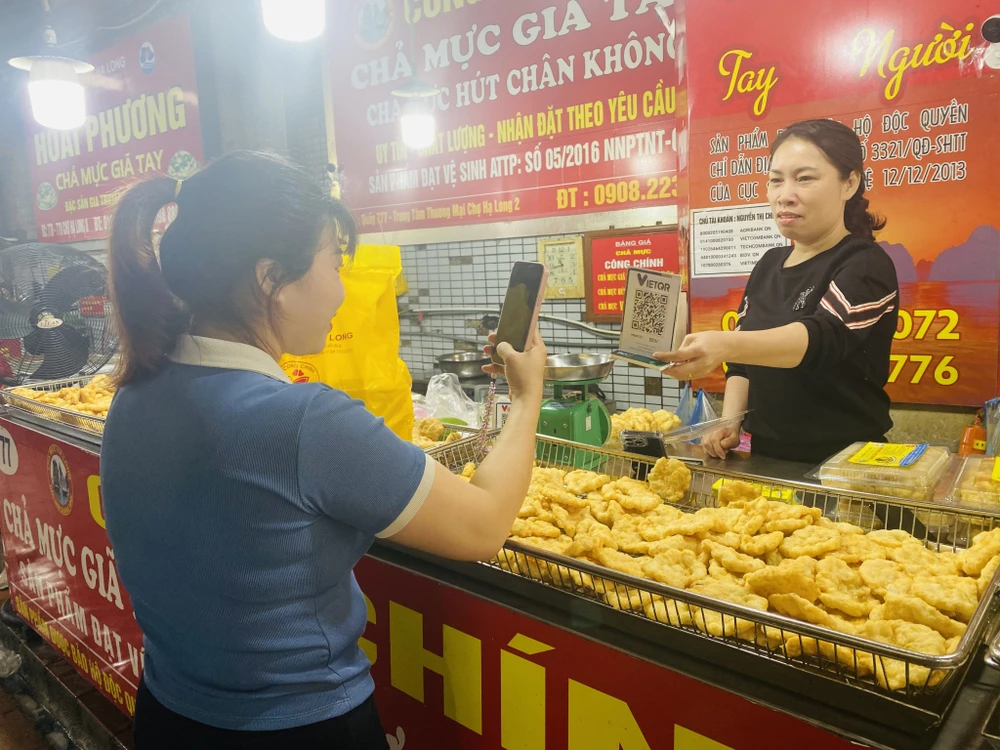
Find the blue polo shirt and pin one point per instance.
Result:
(237, 505)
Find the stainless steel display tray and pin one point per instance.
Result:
(87, 423)
(690, 612)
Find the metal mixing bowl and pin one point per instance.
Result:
(464, 364)
(573, 368)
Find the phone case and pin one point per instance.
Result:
(495, 358)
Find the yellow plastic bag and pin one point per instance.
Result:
(361, 356)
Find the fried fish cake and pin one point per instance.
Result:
(632, 495)
(619, 561)
(812, 541)
(527, 527)
(892, 537)
(580, 482)
(986, 576)
(789, 518)
(912, 609)
(952, 595)
(843, 589)
(560, 496)
(626, 534)
(985, 546)
(604, 510)
(797, 576)
(883, 576)
(428, 428)
(678, 614)
(588, 529)
(734, 491)
(719, 624)
(547, 478)
(760, 545)
(670, 479)
(730, 559)
(857, 663)
(569, 520)
(675, 541)
(856, 548)
(916, 560)
(846, 529)
(690, 524)
(793, 605)
(677, 568)
(893, 674)
(627, 598)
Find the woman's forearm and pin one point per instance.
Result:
(783, 347)
(507, 468)
(737, 395)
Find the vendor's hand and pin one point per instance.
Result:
(524, 370)
(720, 442)
(698, 356)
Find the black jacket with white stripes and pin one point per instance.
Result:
(847, 298)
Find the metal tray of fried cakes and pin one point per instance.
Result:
(783, 620)
(58, 414)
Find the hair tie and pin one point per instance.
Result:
(177, 188)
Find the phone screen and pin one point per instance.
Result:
(518, 311)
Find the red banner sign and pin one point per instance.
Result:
(455, 671)
(143, 119)
(909, 78)
(555, 110)
(63, 579)
(608, 256)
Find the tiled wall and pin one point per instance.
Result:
(474, 275)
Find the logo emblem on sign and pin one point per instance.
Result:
(147, 57)
(374, 22)
(60, 481)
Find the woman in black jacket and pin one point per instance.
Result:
(810, 354)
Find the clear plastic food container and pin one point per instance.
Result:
(906, 471)
(978, 483)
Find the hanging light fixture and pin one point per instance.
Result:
(417, 122)
(294, 20)
(54, 89)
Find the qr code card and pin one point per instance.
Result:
(654, 316)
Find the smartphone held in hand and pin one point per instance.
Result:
(519, 314)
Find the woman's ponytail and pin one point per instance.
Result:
(858, 219)
(150, 319)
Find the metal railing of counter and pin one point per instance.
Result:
(869, 667)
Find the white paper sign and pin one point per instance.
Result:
(501, 410)
(729, 241)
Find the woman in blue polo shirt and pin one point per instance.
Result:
(238, 504)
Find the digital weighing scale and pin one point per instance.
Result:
(574, 412)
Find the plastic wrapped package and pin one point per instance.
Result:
(978, 483)
(445, 399)
(907, 471)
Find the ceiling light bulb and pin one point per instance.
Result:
(294, 20)
(418, 129)
(56, 94)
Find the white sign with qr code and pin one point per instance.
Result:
(652, 310)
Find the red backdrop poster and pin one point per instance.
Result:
(543, 109)
(143, 118)
(609, 255)
(455, 671)
(909, 78)
(63, 579)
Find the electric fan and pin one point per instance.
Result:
(55, 316)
